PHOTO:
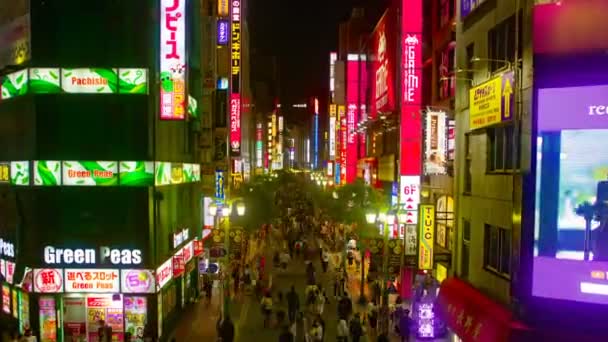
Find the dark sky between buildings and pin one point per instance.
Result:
(300, 33)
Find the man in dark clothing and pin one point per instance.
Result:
(344, 308)
(405, 324)
(286, 335)
(293, 304)
(104, 332)
(227, 330)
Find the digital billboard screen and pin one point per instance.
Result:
(571, 181)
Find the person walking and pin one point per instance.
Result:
(301, 328)
(286, 335)
(104, 332)
(293, 304)
(405, 325)
(320, 302)
(324, 260)
(266, 308)
(227, 330)
(356, 328)
(342, 331)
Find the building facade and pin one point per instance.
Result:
(101, 165)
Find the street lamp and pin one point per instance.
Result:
(240, 209)
(226, 210)
(370, 217)
(212, 209)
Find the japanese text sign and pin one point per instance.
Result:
(172, 59)
(491, 102)
(92, 280)
(179, 267)
(164, 273)
(5, 172)
(223, 8)
(222, 32)
(427, 237)
(48, 280)
(235, 124)
(219, 185)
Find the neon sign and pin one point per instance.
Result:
(235, 88)
(172, 59)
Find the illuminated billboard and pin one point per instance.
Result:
(343, 142)
(235, 84)
(259, 145)
(352, 116)
(411, 88)
(223, 8)
(90, 173)
(435, 143)
(173, 59)
(571, 179)
(333, 56)
(383, 65)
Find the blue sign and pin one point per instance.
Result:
(337, 174)
(468, 6)
(219, 185)
(222, 32)
(395, 193)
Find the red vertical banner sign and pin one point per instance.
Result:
(235, 84)
(411, 88)
(352, 115)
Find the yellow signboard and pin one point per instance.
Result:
(223, 8)
(332, 110)
(491, 102)
(426, 237)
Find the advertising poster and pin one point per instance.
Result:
(45, 80)
(435, 143)
(10, 272)
(177, 173)
(48, 280)
(133, 81)
(136, 315)
(162, 173)
(90, 173)
(222, 32)
(136, 173)
(92, 280)
(235, 84)
(137, 281)
(15, 304)
(173, 59)
(187, 174)
(179, 266)
(74, 316)
(24, 310)
(103, 307)
(6, 299)
(48, 319)
(14, 84)
(5, 172)
(89, 80)
(20, 173)
(47, 172)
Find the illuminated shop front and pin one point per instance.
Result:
(15, 301)
(73, 289)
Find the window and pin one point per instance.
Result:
(468, 163)
(466, 245)
(446, 75)
(501, 43)
(446, 12)
(503, 149)
(497, 250)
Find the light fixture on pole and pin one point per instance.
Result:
(226, 211)
(370, 217)
(212, 209)
(506, 63)
(240, 208)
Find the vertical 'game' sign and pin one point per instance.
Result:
(172, 59)
(235, 84)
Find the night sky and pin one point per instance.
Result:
(301, 33)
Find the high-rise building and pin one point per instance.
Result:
(100, 164)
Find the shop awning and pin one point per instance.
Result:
(473, 316)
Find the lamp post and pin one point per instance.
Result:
(225, 211)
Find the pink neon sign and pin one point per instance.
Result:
(411, 88)
(235, 123)
(172, 59)
(352, 112)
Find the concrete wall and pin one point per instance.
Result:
(491, 199)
